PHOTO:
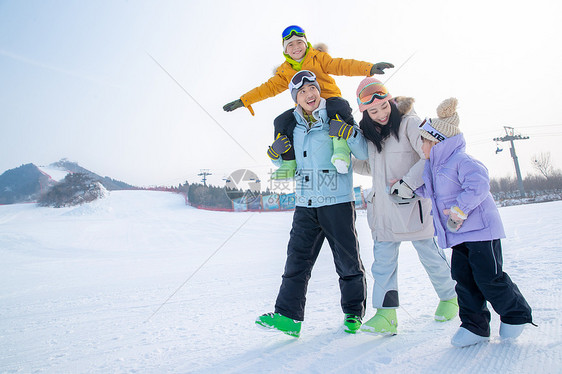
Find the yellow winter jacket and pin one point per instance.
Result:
(321, 64)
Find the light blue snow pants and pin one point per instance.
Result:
(385, 271)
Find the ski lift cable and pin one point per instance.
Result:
(393, 73)
(200, 106)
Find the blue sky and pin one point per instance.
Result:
(77, 79)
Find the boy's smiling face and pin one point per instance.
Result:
(296, 49)
(308, 97)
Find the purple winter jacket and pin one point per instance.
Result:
(453, 178)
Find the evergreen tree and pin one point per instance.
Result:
(74, 189)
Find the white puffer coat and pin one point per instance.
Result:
(399, 159)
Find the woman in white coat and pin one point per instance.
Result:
(394, 213)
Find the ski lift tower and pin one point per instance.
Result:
(510, 137)
(204, 173)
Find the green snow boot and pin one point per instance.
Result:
(447, 310)
(341, 156)
(286, 170)
(280, 322)
(351, 323)
(383, 323)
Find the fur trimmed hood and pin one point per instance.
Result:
(404, 104)
(322, 47)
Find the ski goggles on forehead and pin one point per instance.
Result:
(292, 30)
(300, 79)
(427, 126)
(371, 92)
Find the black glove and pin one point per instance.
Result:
(340, 129)
(281, 145)
(233, 105)
(379, 67)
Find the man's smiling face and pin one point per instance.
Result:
(308, 97)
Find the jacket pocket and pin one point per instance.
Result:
(406, 218)
(474, 222)
(370, 199)
(327, 183)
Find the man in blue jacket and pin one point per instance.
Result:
(324, 209)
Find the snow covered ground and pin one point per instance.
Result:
(55, 173)
(140, 283)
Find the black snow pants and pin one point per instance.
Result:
(477, 269)
(310, 227)
(285, 123)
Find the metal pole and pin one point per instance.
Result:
(517, 170)
(510, 136)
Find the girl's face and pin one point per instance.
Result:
(380, 113)
(296, 49)
(426, 147)
(308, 97)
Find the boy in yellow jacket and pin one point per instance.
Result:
(300, 55)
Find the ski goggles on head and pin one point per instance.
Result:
(292, 30)
(300, 78)
(427, 126)
(371, 92)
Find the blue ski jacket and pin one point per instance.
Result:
(317, 182)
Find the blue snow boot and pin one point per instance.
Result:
(508, 331)
(464, 338)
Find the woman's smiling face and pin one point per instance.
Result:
(380, 113)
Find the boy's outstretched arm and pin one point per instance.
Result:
(351, 67)
(272, 87)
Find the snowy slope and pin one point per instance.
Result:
(138, 282)
(55, 173)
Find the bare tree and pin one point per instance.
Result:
(542, 164)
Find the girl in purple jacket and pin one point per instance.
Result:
(467, 220)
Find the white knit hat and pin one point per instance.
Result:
(292, 39)
(445, 125)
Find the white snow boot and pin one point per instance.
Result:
(464, 338)
(508, 331)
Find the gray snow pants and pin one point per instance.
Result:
(385, 271)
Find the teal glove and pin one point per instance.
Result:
(379, 67)
(340, 129)
(233, 105)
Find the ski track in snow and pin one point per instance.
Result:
(79, 286)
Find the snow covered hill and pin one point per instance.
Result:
(28, 182)
(139, 282)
